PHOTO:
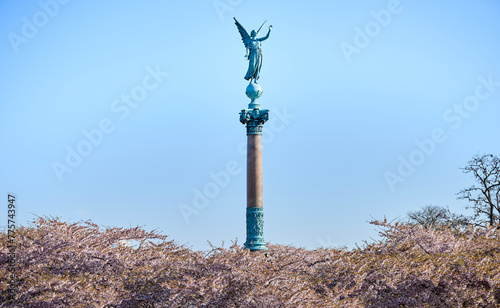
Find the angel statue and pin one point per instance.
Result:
(254, 52)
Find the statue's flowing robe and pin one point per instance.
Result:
(254, 61)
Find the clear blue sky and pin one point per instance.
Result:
(350, 84)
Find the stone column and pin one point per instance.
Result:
(254, 171)
(254, 119)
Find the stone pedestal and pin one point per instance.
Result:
(254, 118)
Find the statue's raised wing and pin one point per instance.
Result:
(244, 34)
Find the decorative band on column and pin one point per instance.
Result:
(255, 229)
(254, 120)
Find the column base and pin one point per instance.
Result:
(255, 229)
(256, 247)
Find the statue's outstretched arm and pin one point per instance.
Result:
(265, 37)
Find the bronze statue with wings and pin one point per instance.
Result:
(254, 51)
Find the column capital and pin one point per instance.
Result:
(254, 120)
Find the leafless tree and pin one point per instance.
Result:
(484, 196)
(432, 216)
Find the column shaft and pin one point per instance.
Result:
(254, 171)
